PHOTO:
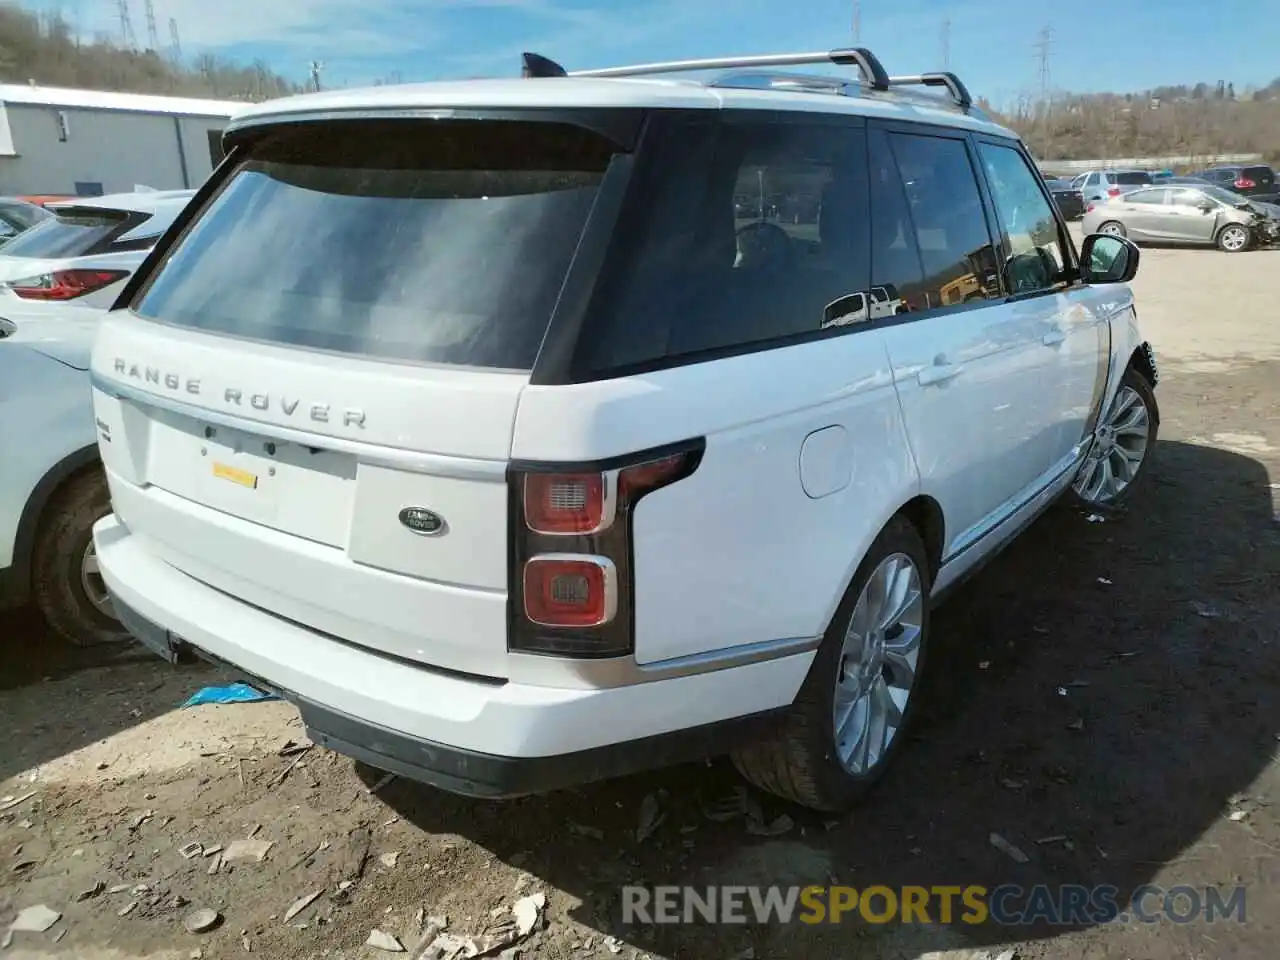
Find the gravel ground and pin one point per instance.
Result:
(1104, 696)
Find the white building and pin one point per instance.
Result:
(90, 142)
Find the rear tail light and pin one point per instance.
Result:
(1113, 192)
(1244, 183)
(572, 569)
(1089, 209)
(64, 284)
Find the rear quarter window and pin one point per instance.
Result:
(440, 241)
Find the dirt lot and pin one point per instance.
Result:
(1105, 696)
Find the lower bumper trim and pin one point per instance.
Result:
(468, 772)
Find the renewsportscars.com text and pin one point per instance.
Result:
(1007, 905)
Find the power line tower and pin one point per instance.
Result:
(153, 35)
(175, 42)
(127, 38)
(946, 44)
(316, 67)
(1043, 44)
(857, 22)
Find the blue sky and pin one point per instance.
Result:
(991, 43)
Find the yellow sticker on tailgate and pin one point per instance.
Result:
(235, 475)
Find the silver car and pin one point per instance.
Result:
(1105, 184)
(1183, 214)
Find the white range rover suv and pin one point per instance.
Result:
(500, 425)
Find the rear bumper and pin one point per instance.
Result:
(465, 735)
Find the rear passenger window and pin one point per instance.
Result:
(736, 233)
(1031, 236)
(930, 242)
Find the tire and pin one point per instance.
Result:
(58, 573)
(800, 762)
(1227, 238)
(1113, 228)
(1081, 492)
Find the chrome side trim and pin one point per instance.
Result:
(545, 671)
(1010, 508)
(460, 468)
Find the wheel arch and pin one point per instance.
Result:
(925, 514)
(70, 467)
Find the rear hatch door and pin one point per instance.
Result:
(312, 400)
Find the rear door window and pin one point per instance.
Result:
(443, 241)
(737, 233)
(69, 233)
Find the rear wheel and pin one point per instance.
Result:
(67, 583)
(846, 724)
(1233, 238)
(1113, 228)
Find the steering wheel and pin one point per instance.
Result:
(763, 244)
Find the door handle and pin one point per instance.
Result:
(938, 373)
(1053, 338)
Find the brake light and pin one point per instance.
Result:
(64, 284)
(571, 578)
(1244, 183)
(1113, 192)
(1089, 208)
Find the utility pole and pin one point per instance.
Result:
(857, 21)
(316, 66)
(127, 38)
(946, 44)
(153, 35)
(175, 42)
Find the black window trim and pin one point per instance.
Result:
(1071, 265)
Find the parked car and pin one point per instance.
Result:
(1257, 181)
(1068, 197)
(88, 248)
(1184, 214)
(17, 215)
(52, 489)
(480, 441)
(1104, 184)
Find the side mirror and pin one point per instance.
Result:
(1206, 207)
(1105, 258)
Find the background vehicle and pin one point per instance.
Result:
(1104, 184)
(1183, 214)
(440, 426)
(1067, 196)
(1257, 182)
(52, 489)
(17, 215)
(88, 248)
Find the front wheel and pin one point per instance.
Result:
(1233, 238)
(68, 586)
(1122, 445)
(846, 724)
(1113, 228)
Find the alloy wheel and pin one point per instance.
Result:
(1118, 451)
(879, 660)
(95, 588)
(1234, 238)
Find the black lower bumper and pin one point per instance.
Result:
(467, 772)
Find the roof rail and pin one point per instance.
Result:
(872, 70)
(959, 92)
(862, 58)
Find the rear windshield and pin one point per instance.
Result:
(1132, 177)
(442, 241)
(67, 234)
